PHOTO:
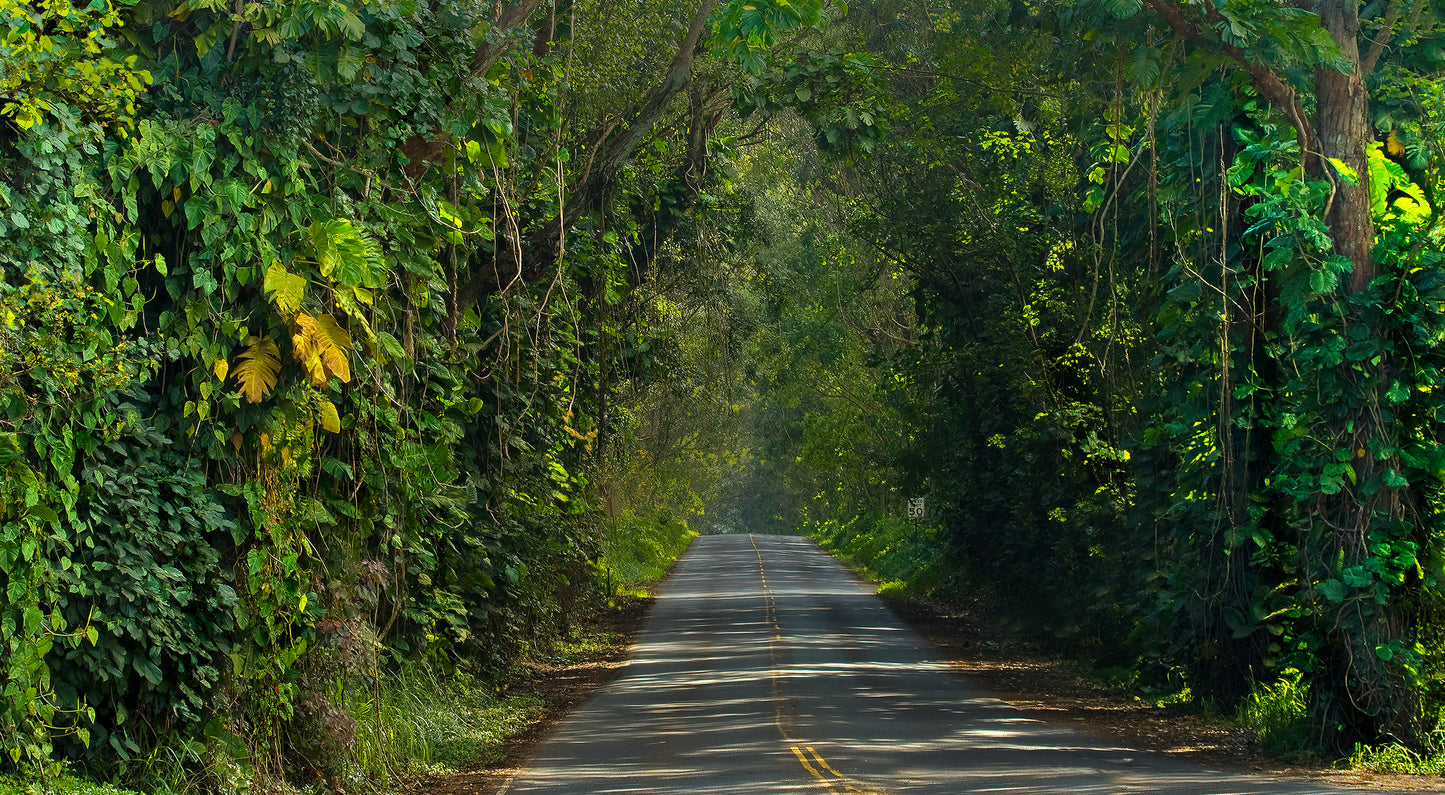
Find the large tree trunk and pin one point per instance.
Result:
(1358, 697)
(1344, 133)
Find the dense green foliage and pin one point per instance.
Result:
(1158, 375)
(1147, 307)
(318, 325)
(342, 341)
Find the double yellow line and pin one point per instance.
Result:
(832, 780)
(812, 761)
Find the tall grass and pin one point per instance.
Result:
(421, 723)
(1275, 712)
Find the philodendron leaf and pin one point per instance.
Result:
(321, 346)
(286, 289)
(258, 369)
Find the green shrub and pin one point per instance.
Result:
(148, 575)
(892, 588)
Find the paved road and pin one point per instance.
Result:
(765, 667)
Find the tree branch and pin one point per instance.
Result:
(610, 156)
(1274, 88)
(422, 150)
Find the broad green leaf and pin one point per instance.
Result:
(346, 254)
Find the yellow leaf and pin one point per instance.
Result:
(259, 367)
(220, 367)
(330, 418)
(1393, 145)
(338, 344)
(285, 288)
(305, 351)
(321, 345)
(358, 318)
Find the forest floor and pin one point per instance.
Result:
(1041, 684)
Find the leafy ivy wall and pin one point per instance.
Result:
(313, 317)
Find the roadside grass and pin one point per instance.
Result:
(639, 549)
(64, 784)
(1276, 713)
(420, 723)
(905, 559)
(1396, 760)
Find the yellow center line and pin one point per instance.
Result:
(808, 757)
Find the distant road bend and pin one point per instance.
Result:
(766, 667)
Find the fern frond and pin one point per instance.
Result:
(258, 368)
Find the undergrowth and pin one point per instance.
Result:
(1277, 715)
(905, 558)
(639, 549)
(1396, 759)
(421, 723)
(62, 785)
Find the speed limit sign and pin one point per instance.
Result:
(916, 508)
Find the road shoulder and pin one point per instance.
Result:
(1052, 689)
(563, 685)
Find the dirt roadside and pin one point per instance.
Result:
(1054, 690)
(1041, 685)
(562, 687)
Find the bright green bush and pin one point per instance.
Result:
(904, 556)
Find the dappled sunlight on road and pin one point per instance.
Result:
(767, 668)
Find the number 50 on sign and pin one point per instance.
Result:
(916, 508)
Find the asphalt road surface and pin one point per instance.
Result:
(766, 667)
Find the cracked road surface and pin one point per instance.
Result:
(766, 667)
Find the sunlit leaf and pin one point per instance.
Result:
(258, 369)
(321, 346)
(330, 417)
(286, 289)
